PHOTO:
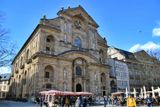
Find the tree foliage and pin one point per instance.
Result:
(7, 49)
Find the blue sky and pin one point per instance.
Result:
(126, 24)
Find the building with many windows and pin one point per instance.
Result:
(63, 53)
(67, 53)
(119, 75)
(144, 70)
(4, 85)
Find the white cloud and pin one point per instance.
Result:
(156, 32)
(5, 69)
(135, 48)
(147, 46)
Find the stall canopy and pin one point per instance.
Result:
(117, 93)
(65, 93)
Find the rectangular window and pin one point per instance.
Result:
(47, 49)
(48, 86)
(4, 87)
(46, 74)
(3, 95)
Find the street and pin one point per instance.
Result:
(4, 103)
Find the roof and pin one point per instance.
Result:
(31, 36)
(5, 77)
(127, 54)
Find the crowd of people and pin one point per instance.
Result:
(66, 101)
(130, 101)
(81, 101)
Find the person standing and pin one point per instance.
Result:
(84, 102)
(77, 103)
(131, 102)
(41, 101)
(150, 101)
(105, 101)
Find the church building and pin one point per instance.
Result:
(64, 53)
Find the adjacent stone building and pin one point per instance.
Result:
(4, 85)
(119, 75)
(64, 53)
(143, 69)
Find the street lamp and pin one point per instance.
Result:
(0, 78)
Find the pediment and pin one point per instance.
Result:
(78, 12)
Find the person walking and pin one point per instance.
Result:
(131, 102)
(150, 101)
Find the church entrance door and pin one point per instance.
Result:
(78, 88)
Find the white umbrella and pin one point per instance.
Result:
(158, 91)
(153, 91)
(134, 91)
(144, 88)
(126, 93)
(141, 94)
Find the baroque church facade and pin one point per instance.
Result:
(64, 53)
(67, 53)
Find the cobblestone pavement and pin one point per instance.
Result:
(4, 103)
(17, 104)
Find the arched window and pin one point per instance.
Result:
(48, 72)
(103, 78)
(77, 42)
(21, 60)
(78, 71)
(49, 38)
(101, 56)
(27, 54)
(78, 88)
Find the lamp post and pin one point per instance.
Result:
(0, 78)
